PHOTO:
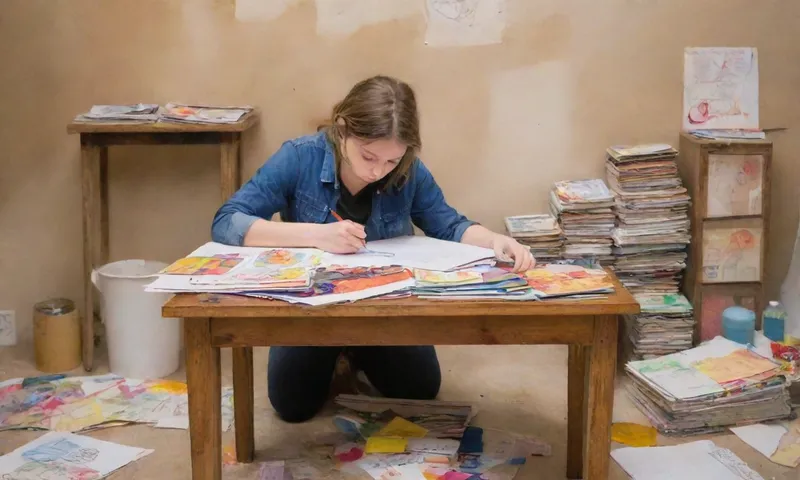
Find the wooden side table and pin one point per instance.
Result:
(95, 140)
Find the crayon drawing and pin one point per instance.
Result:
(216, 265)
(734, 185)
(731, 255)
(720, 88)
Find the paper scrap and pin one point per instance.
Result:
(348, 452)
(273, 471)
(400, 427)
(386, 445)
(789, 456)
(633, 434)
(699, 460)
(761, 436)
(442, 446)
(458, 23)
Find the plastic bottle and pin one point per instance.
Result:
(739, 325)
(774, 320)
(790, 296)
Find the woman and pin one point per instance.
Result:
(364, 167)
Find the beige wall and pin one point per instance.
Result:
(500, 122)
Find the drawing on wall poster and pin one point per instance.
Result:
(734, 185)
(720, 88)
(453, 23)
(731, 255)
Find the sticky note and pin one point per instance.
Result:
(386, 445)
(400, 427)
(633, 434)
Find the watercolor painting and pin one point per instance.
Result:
(216, 265)
(342, 279)
(460, 277)
(713, 304)
(734, 185)
(731, 255)
(556, 280)
(284, 257)
(720, 88)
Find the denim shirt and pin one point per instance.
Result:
(300, 182)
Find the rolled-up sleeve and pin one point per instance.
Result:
(265, 194)
(430, 211)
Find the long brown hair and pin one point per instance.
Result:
(377, 108)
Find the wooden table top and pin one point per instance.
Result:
(246, 122)
(187, 305)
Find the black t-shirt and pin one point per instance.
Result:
(357, 208)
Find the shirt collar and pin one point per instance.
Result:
(328, 174)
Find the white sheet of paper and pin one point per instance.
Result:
(415, 251)
(762, 436)
(181, 423)
(442, 446)
(690, 461)
(54, 454)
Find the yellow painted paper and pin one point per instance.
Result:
(400, 427)
(385, 445)
(734, 366)
(788, 456)
(169, 386)
(633, 434)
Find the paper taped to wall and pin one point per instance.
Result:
(457, 23)
(344, 17)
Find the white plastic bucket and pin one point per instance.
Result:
(141, 343)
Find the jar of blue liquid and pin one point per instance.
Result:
(774, 320)
(739, 325)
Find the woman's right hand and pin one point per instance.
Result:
(340, 237)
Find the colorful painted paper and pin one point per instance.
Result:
(731, 255)
(68, 457)
(286, 257)
(216, 265)
(437, 278)
(734, 185)
(337, 279)
(386, 445)
(737, 365)
(556, 280)
(633, 434)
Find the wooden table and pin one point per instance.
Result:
(212, 322)
(95, 140)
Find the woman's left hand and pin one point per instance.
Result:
(508, 249)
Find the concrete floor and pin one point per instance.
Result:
(516, 388)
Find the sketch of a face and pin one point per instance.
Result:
(457, 10)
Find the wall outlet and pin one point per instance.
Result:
(8, 328)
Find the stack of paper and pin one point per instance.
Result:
(583, 208)
(139, 113)
(573, 281)
(665, 325)
(488, 282)
(539, 232)
(204, 114)
(652, 222)
(708, 388)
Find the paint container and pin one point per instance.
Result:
(56, 335)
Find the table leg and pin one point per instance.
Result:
(91, 161)
(243, 403)
(229, 163)
(576, 410)
(602, 369)
(203, 378)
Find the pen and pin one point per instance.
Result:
(340, 219)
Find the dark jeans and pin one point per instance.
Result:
(299, 378)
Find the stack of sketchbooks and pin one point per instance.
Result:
(651, 206)
(139, 113)
(665, 325)
(486, 282)
(706, 389)
(203, 114)
(541, 233)
(583, 208)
